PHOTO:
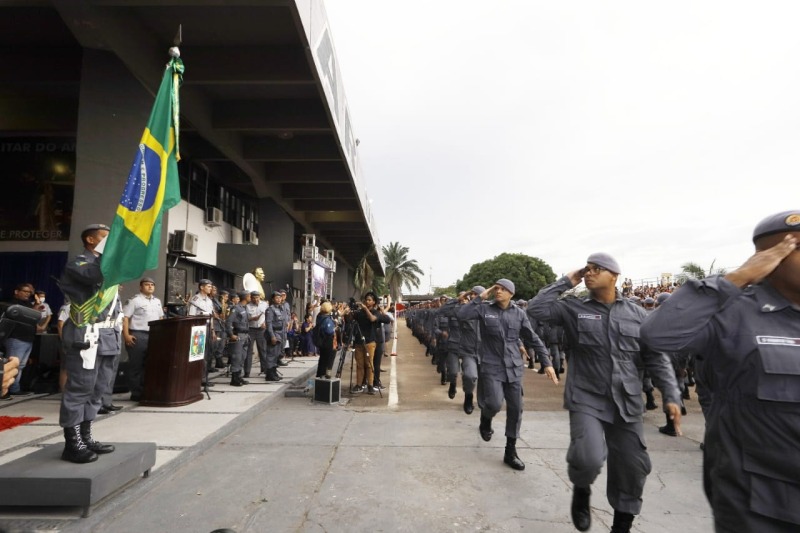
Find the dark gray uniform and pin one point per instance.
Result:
(501, 361)
(276, 328)
(469, 349)
(109, 352)
(81, 400)
(604, 389)
(238, 324)
(750, 342)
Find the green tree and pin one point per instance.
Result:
(400, 270)
(694, 271)
(449, 290)
(529, 274)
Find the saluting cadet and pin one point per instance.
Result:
(503, 325)
(469, 349)
(604, 387)
(82, 335)
(237, 327)
(139, 311)
(746, 326)
(202, 305)
(276, 332)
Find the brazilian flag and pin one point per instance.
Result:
(133, 244)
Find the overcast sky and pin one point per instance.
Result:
(659, 132)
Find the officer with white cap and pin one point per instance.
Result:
(746, 325)
(604, 387)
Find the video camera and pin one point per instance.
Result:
(353, 305)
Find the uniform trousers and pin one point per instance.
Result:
(237, 351)
(106, 389)
(137, 356)
(592, 441)
(82, 397)
(453, 366)
(469, 373)
(274, 353)
(494, 391)
(218, 347)
(363, 354)
(555, 356)
(257, 338)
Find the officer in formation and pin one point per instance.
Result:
(604, 387)
(218, 325)
(138, 312)
(287, 315)
(111, 350)
(256, 316)
(746, 326)
(237, 327)
(451, 339)
(469, 351)
(83, 335)
(201, 304)
(276, 333)
(503, 327)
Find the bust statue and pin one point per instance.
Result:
(252, 281)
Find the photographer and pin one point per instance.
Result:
(368, 318)
(19, 343)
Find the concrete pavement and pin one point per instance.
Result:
(410, 461)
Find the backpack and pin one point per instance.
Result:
(317, 335)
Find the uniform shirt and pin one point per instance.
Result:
(255, 310)
(750, 343)
(63, 313)
(140, 310)
(449, 312)
(200, 304)
(275, 322)
(607, 358)
(501, 332)
(237, 321)
(470, 330)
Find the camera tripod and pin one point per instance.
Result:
(350, 337)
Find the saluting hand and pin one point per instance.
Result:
(576, 276)
(762, 263)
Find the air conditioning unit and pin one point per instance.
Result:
(250, 237)
(183, 243)
(213, 217)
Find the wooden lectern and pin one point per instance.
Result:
(171, 379)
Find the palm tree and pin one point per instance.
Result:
(400, 270)
(694, 271)
(364, 275)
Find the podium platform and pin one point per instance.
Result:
(41, 478)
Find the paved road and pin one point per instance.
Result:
(409, 461)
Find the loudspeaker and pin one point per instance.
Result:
(327, 390)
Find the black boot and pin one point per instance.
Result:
(272, 375)
(468, 407)
(75, 451)
(581, 513)
(651, 401)
(511, 458)
(237, 380)
(530, 364)
(669, 429)
(622, 522)
(685, 394)
(452, 392)
(88, 439)
(486, 429)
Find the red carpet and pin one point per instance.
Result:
(8, 422)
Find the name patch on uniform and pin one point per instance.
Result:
(491, 316)
(590, 317)
(782, 341)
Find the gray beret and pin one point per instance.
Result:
(93, 227)
(649, 301)
(661, 298)
(255, 293)
(146, 280)
(205, 282)
(778, 223)
(604, 260)
(243, 295)
(275, 293)
(477, 289)
(507, 284)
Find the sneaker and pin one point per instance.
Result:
(356, 389)
(371, 391)
(7, 397)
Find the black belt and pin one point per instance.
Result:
(240, 331)
(138, 331)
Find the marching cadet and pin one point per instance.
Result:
(276, 332)
(82, 335)
(503, 324)
(746, 325)
(237, 328)
(469, 349)
(138, 312)
(604, 387)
